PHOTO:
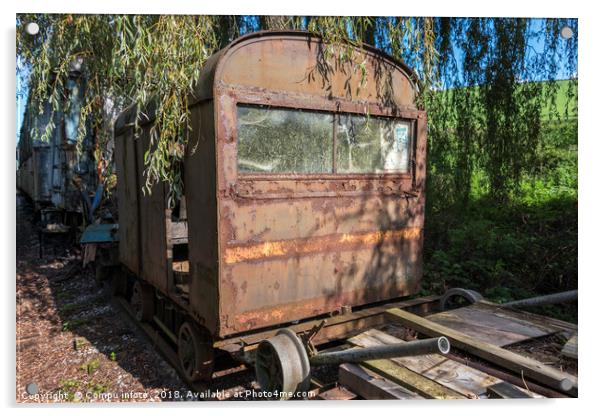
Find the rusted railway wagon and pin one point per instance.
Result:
(48, 170)
(304, 198)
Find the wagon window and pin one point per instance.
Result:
(284, 140)
(372, 144)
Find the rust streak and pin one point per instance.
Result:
(283, 248)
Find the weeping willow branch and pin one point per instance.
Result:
(127, 60)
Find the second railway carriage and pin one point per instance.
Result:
(52, 172)
(304, 198)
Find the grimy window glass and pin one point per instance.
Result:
(372, 144)
(281, 140)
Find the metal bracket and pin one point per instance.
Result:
(307, 337)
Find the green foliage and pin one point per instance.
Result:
(70, 308)
(513, 249)
(126, 60)
(131, 59)
(77, 390)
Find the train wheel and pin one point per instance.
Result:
(282, 364)
(119, 283)
(458, 297)
(195, 353)
(142, 301)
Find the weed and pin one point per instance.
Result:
(91, 366)
(70, 387)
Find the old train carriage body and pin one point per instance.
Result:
(47, 168)
(304, 189)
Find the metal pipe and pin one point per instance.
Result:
(561, 297)
(438, 345)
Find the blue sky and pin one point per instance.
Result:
(21, 95)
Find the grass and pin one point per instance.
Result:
(77, 390)
(70, 308)
(564, 103)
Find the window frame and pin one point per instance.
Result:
(336, 113)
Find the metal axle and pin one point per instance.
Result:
(544, 300)
(438, 345)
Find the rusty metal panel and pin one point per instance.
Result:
(201, 206)
(127, 194)
(290, 259)
(296, 246)
(297, 64)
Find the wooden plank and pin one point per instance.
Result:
(182, 266)
(570, 348)
(178, 232)
(369, 386)
(507, 359)
(505, 390)
(537, 390)
(445, 371)
(491, 325)
(410, 380)
(337, 393)
(528, 316)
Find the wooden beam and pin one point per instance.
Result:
(505, 390)
(439, 368)
(337, 393)
(522, 365)
(537, 389)
(410, 380)
(362, 382)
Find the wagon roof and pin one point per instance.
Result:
(211, 73)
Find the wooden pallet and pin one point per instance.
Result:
(429, 376)
(477, 331)
(525, 367)
(499, 326)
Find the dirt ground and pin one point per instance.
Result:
(72, 343)
(75, 345)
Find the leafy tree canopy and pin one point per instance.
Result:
(494, 125)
